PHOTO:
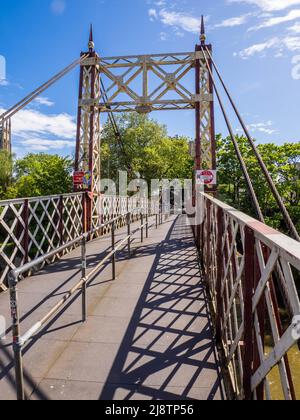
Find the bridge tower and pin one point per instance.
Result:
(204, 107)
(87, 158)
(5, 136)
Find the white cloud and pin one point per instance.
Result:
(273, 21)
(262, 127)
(43, 145)
(58, 6)
(163, 36)
(234, 21)
(183, 21)
(152, 14)
(44, 101)
(295, 28)
(269, 5)
(276, 44)
(30, 121)
(41, 132)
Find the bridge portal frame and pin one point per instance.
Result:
(143, 84)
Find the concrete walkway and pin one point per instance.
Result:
(148, 334)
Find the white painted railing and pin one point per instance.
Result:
(30, 228)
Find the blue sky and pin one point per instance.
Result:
(256, 45)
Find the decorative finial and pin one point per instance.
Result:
(91, 40)
(203, 35)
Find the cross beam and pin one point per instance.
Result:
(146, 83)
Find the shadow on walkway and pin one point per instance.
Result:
(168, 352)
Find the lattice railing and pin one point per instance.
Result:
(253, 272)
(33, 227)
(30, 228)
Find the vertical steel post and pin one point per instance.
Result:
(83, 274)
(17, 345)
(147, 226)
(113, 244)
(250, 273)
(129, 233)
(61, 219)
(25, 217)
(142, 228)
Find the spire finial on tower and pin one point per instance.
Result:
(91, 40)
(203, 35)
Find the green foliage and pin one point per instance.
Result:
(41, 174)
(146, 149)
(282, 163)
(6, 169)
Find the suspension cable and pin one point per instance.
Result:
(291, 226)
(236, 146)
(29, 98)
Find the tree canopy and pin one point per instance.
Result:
(146, 149)
(40, 174)
(283, 165)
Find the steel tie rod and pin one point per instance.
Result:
(236, 146)
(266, 173)
(29, 98)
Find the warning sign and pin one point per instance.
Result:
(206, 177)
(78, 178)
(82, 179)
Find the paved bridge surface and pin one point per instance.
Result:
(148, 333)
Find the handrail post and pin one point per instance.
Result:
(113, 242)
(142, 227)
(160, 214)
(61, 219)
(250, 273)
(156, 221)
(25, 216)
(83, 274)
(147, 226)
(129, 233)
(17, 345)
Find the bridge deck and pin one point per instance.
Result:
(148, 334)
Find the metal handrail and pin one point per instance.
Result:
(40, 198)
(19, 341)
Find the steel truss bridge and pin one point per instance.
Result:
(163, 324)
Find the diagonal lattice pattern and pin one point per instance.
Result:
(251, 270)
(33, 227)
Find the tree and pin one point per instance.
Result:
(146, 149)
(283, 165)
(6, 169)
(41, 174)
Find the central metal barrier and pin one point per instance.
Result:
(20, 341)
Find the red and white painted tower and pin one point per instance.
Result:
(87, 159)
(204, 105)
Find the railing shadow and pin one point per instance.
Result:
(168, 352)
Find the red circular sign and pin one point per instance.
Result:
(207, 177)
